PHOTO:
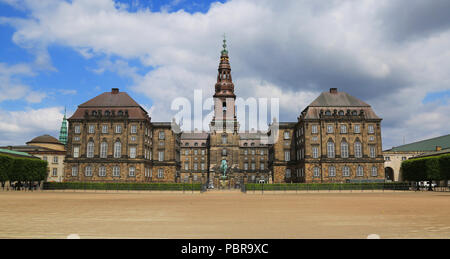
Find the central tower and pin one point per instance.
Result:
(224, 119)
(224, 137)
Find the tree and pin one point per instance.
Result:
(6, 163)
(423, 169)
(444, 164)
(433, 171)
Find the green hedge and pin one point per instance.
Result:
(22, 169)
(122, 186)
(326, 186)
(427, 168)
(6, 163)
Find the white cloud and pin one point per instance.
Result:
(18, 127)
(297, 48)
(11, 88)
(67, 91)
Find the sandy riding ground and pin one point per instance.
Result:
(224, 215)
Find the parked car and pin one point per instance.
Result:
(426, 184)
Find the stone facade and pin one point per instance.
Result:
(48, 149)
(115, 141)
(281, 153)
(334, 121)
(194, 157)
(308, 150)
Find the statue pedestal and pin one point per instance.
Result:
(224, 183)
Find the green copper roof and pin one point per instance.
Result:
(425, 145)
(224, 51)
(63, 131)
(16, 153)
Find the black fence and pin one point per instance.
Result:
(434, 188)
(316, 187)
(183, 187)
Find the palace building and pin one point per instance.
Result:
(337, 138)
(49, 149)
(111, 138)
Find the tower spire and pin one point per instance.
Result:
(224, 51)
(63, 130)
(224, 85)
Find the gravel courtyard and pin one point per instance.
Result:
(224, 215)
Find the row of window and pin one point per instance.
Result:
(105, 129)
(389, 158)
(343, 129)
(195, 144)
(345, 150)
(331, 152)
(202, 166)
(55, 159)
(332, 172)
(88, 171)
(194, 178)
(342, 113)
(117, 129)
(203, 152)
(253, 166)
(109, 113)
(117, 151)
(253, 152)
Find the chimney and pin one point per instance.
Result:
(333, 90)
(438, 148)
(115, 90)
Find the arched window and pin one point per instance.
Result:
(330, 149)
(88, 171)
(195, 144)
(341, 113)
(103, 149)
(358, 149)
(346, 171)
(344, 149)
(316, 172)
(328, 112)
(374, 171)
(359, 171)
(331, 171)
(116, 171)
(90, 149)
(102, 171)
(117, 149)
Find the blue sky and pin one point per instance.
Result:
(56, 54)
(72, 70)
